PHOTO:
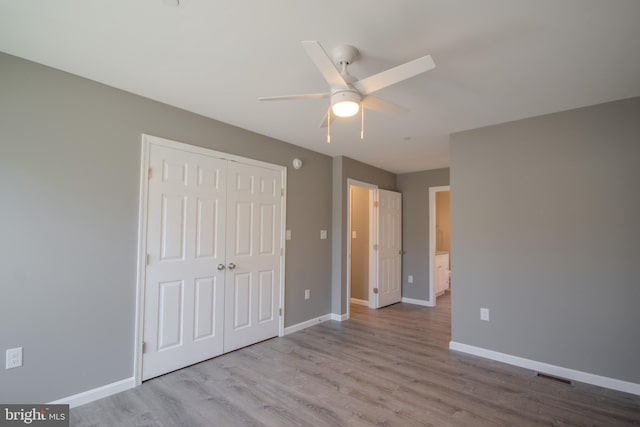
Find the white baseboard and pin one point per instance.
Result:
(558, 371)
(96, 393)
(339, 317)
(303, 325)
(359, 302)
(422, 302)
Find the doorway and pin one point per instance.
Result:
(439, 242)
(374, 245)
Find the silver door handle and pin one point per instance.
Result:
(220, 267)
(231, 266)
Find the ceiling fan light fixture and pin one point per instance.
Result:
(345, 103)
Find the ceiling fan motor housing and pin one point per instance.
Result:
(344, 54)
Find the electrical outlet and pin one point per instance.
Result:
(14, 358)
(484, 314)
(307, 294)
(323, 234)
(410, 279)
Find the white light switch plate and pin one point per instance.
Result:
(484, 314)
(288, 235)
(323, 234)
(410, 279)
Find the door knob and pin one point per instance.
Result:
(220, 267)
(231, 266)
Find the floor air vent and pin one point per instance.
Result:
(553, 378)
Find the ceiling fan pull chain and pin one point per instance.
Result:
(362, 121)
(329, 126)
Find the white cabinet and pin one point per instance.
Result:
(442, 272)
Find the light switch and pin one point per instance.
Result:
(410, 279)
(288, 235)
(323, 234)
(354, 234)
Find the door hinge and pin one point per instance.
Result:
(281, 251)
(375, 290)
(376, 204)
(280, 311)
(282, 191)
(375, 247)
(144, 347)
(148, 259)
(150, 174)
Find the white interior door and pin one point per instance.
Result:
(389, 248)
(252, 290)
(184, 290)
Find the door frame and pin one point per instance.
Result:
(373, 238)
(432, 240)
(147, 141)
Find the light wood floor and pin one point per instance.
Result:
(388, 367)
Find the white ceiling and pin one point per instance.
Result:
(497, 60)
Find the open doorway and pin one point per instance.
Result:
(361, 263)
(439, 242)
(374, 246)
(360, 237)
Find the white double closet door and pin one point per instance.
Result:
(213, 267)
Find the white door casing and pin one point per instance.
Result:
(184, 294)
(252, 294)
(389, 248)
(185, 227)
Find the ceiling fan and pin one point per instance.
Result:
(347, 94)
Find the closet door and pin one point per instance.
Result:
(252, 283)
(184, 289)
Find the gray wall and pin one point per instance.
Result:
(546, 234)
(415, 228)
(345, 168)
(360, 245)
(69, 169)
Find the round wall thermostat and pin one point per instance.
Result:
(297, 163)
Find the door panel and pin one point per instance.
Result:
(267, 305)
(253, 245)
(206, 228)
(184, 298)
(389, 248)
(205, 323)
(173, 226)
(170, 315)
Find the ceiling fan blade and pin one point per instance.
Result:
(324, 64)
(288, 97)
(394, 75)
(374, 103)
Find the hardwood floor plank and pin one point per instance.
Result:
(387, 367)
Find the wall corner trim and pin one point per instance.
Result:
(421, 302)
(96, 393)
(559, 371)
